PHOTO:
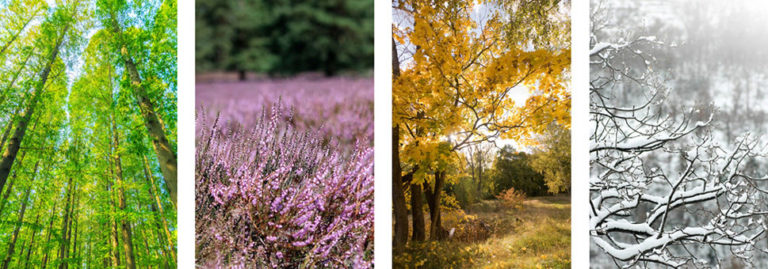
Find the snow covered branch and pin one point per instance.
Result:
(663, 192)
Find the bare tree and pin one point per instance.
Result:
(663, 192)
(478, 158)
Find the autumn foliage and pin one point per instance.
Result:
(511, 198)
(468, 74)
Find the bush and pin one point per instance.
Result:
(511, 198)
(273, 196)
(472, 229)
(513, 170)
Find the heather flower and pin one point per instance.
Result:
(274, 194)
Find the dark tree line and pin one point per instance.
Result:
(284, 37)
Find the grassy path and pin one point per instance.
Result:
(535, 236)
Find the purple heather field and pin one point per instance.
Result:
(340, 108)
(284, 173)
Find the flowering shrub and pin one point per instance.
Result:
(511, 198)
(276, 195)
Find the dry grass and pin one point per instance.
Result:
(536, 236)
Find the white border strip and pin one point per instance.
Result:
(186, 131)
(383, 133)
(579, 133)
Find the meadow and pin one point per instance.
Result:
(536, 234)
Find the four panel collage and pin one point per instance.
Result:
(391, 134)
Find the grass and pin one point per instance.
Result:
(538, 235)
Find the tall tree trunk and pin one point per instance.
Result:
(13, 178)
(398, 197)
(436, 230)
(24, 246)
(64, 245)
(8, 190)
(32, 241)
(15, 235)
(143, 234)
(395, 61)
(124, 225)
(417, 211)
(158, 207)
(48, 237)
(166, 156)
(113, 235)
(75, 214)
(9, 154)
(114, 238)
(8, 128)
(106, 260)
(20, 220)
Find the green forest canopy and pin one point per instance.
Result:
(87, 133)
(284, 37)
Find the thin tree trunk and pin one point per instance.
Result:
(108, 243)
(75, 214)
(124, 225)
(113, 237)
(159, 207)
(9, 154)
(50, 231)
(143, 234)
(24, 247)
(480, 176)
(15, 235)
(64, 245)
(115, 234)
(166, 156)
(68, 236)
(20, 220)
(32, 241)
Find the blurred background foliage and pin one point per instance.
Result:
(284, 37)
(545, 170)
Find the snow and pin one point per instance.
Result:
(600, 47)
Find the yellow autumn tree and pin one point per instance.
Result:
(456, 65)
